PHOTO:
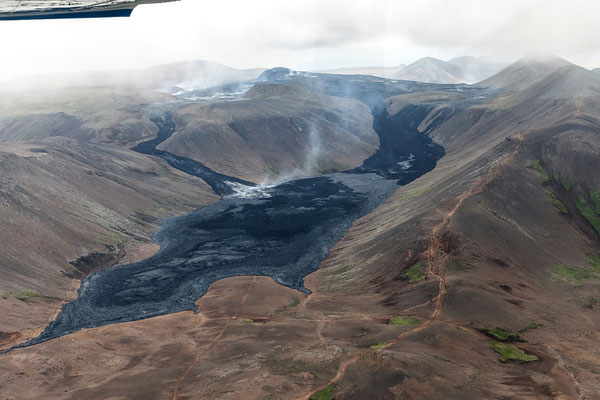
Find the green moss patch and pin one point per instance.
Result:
(576, 275)
(404, 321)
(595, 197)
(504, 335)
(588, 213)
(24, 295)
(510, 353)
(543, 173)
(594, 262)
(573, 275)
(379, 345)
(324, 394)
(415, 273)
(566, 184)
(558, 204)
(459, 266)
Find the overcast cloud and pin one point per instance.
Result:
(305, 34)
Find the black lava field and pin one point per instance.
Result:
(283, 231)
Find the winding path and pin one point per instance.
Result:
(437, 258)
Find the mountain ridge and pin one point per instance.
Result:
(525, 71)
(463, 69)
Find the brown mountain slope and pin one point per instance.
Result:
(568, 82)
(525, 71)
(61, 200)
(277, 131)
(102, 107)
(501, 244)
(100, 115)
(568, 91)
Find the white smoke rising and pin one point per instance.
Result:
(250, 192)
(313, 151)
(309, 167)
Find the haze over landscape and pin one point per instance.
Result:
(383, 200)
(305, 35)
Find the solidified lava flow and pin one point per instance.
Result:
(284, 233)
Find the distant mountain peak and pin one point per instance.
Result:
(526, 71)
(470, 58)
(543, 57)
(464, 69)
(428, 59)
(568, 81)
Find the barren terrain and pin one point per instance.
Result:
(477, 280)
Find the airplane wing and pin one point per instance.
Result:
(51, 9)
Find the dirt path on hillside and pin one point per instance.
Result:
(437, 257)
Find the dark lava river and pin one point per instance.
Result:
(283, 231)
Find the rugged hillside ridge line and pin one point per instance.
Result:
(97, 114)
(464, 69)
(505, 244)
(525, 71)
(276, 132)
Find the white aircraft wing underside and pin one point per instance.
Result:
(49, 9)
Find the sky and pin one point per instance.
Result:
(304, 34)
